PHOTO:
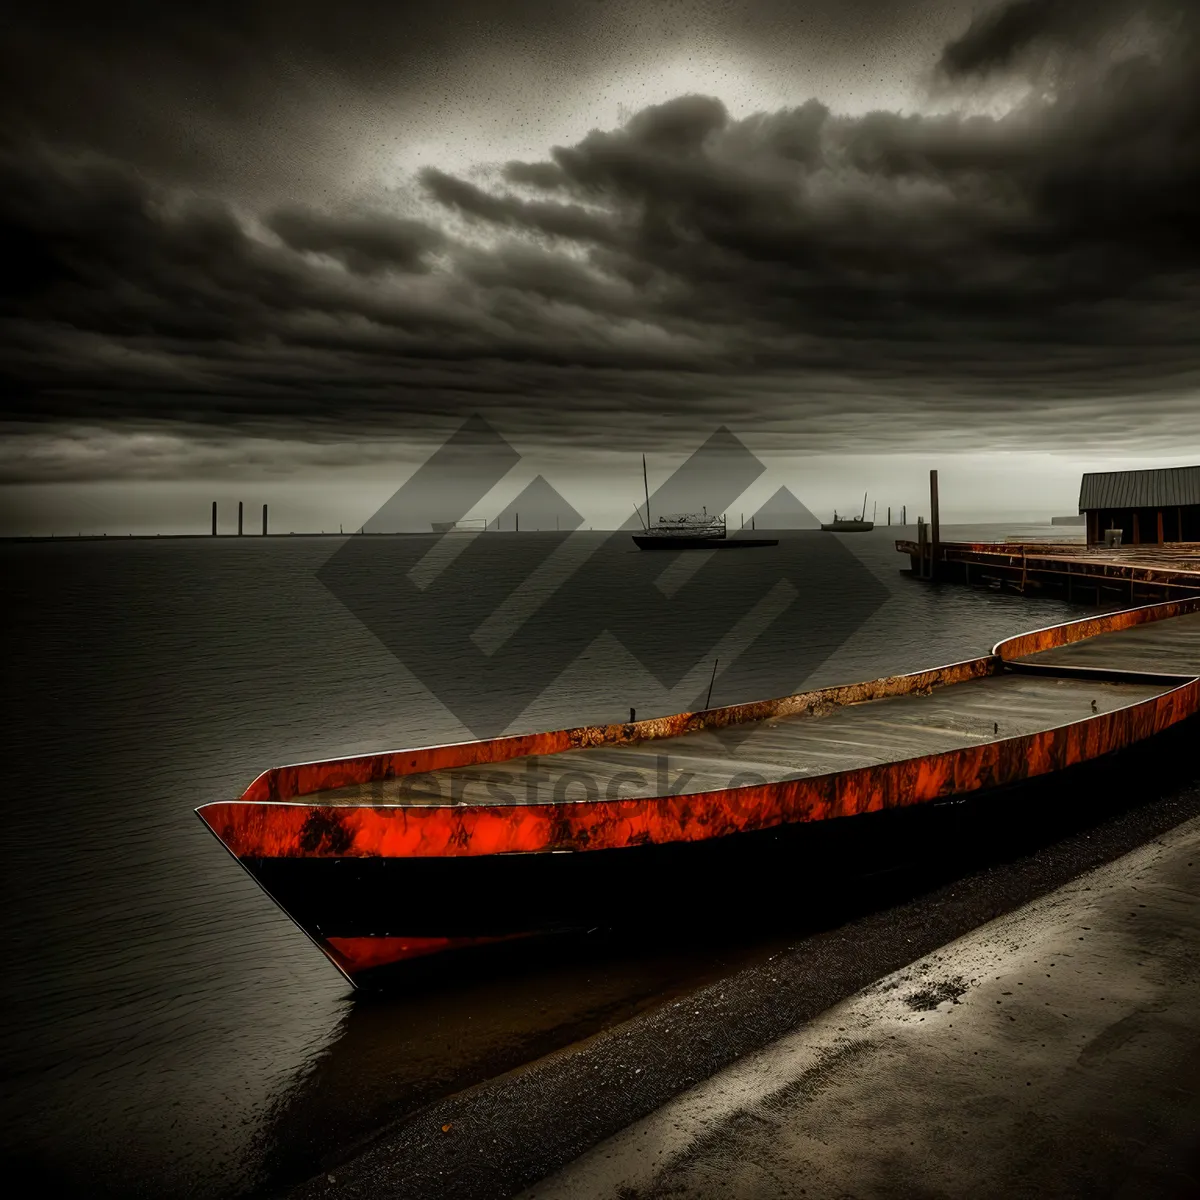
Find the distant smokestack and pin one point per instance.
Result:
(239, 518)
(214, 532)
(264, 520)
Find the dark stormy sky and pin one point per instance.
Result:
(281, 248)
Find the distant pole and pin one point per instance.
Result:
(264, 520)
(934, 531)
(239, 518)
(904, 514)
(214, 523)
(889, 515)
(516, 522)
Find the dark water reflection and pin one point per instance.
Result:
(167, 1032)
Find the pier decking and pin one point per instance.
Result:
(1088, 574)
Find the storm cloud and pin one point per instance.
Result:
(1017, 263)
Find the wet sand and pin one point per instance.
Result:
(1052, 1052)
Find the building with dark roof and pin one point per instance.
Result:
(1147, 506)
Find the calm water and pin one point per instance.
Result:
(168, 1032)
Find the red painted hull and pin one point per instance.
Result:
(273, 831)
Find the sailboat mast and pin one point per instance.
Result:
(864, 511)
(646, 485)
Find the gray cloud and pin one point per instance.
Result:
(877, 280)
(365, 242)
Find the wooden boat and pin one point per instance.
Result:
(381, 858)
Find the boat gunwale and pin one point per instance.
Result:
(450, 830)
(266, 787)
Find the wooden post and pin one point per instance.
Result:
(889, 516)
(922, 548)
(1160, 527)
(264, 520)
(239, 518)
(934, 534)
(214, 519)
(1137, 535)
(516, 522)
(904, 514)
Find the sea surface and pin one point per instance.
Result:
(167, 1031)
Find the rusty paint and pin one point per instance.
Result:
(1075, 631)
(303, 779)
(273, 829)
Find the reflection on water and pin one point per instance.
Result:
(161, 1016)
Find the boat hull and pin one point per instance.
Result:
(849, 526)
(376, 884)
(468, 908)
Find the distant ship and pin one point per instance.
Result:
(850, 524)
(464, 526)
(690, 531)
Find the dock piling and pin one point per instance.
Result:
(239, 518)
(214, 519)
(264, 520)
(934, 521)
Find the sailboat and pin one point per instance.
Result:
(858, 524)
(690, 531)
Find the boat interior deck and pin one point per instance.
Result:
(992, 708)
(791, 747)
(1170, 647)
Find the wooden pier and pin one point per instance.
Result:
(1087, 574)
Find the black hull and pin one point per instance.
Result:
(651, 542)
(747, 879)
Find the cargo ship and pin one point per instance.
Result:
(385, 858)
